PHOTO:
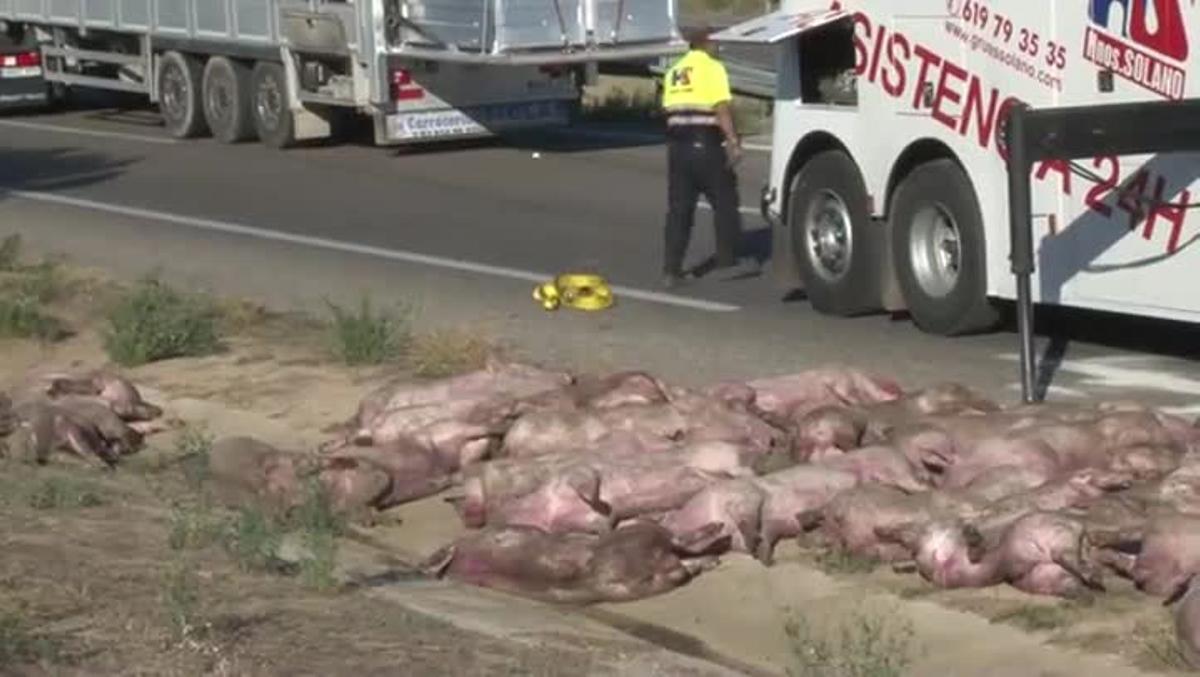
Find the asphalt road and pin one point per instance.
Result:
(462, 231)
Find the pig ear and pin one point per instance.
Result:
(702, 539)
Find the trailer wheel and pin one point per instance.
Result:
(838, 252)
(939, 254)
(179, 99)
(227, 97)
(272, 116)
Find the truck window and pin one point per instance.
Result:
(827, 65)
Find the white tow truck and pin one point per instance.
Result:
(888, 185)
(286, 70)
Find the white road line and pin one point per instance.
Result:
(378, 252)
(21, 124)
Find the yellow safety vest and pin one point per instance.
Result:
(693, 87)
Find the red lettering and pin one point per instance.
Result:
(1095, 196)
(1130, 194)
(895, 88)
(878, 49)
(944, 93)
(860, 45)
(984, 122)
(1001, 144)
(928, 59)
(1175, 214)
(1167, 34)
(1062, 167)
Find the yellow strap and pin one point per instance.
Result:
(577, 290)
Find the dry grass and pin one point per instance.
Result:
(1036, 617)
(144, 582)
(868, 643)
(837, 561)
(447, 352)
(26, 292)
(1158, 648)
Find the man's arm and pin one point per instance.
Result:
(724, 111)
(725, 120)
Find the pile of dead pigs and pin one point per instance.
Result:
(588, 488)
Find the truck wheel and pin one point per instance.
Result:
(838, 252)
(227, 100)
(179, 98)
(938, 249)
(272, 117)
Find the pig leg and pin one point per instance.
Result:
(86, 443)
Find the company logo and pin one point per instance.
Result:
(681, 77)
(1143, 41)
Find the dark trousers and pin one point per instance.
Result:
(697, 165)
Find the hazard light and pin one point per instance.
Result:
(403, 88)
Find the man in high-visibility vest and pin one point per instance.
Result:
(702, 150)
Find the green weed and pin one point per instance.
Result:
(366, 337)
(20, 644)
(62, 493)
(866, 645)
(156, 322)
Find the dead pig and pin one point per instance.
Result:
(44, 428)
(590, 391)
(789, 397)
(839, 428)
(596, 492)
(653, 428)
(635, 561)
(756, 513)
(459, 417)
(1169, 556)
(116, 391)
(414, 471)
(247, 470)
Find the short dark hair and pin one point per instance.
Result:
(697, 36)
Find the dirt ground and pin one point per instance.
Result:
(94, 578)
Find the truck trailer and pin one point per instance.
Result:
(888, 188)
(288, 70)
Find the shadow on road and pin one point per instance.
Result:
(49, 170)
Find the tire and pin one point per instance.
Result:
(939, 251)
(272, 117)
(227, 96)
(838, 251)
(179, 99)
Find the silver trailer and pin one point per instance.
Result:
(285, 70)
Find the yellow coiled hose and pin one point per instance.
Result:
(576, 290)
